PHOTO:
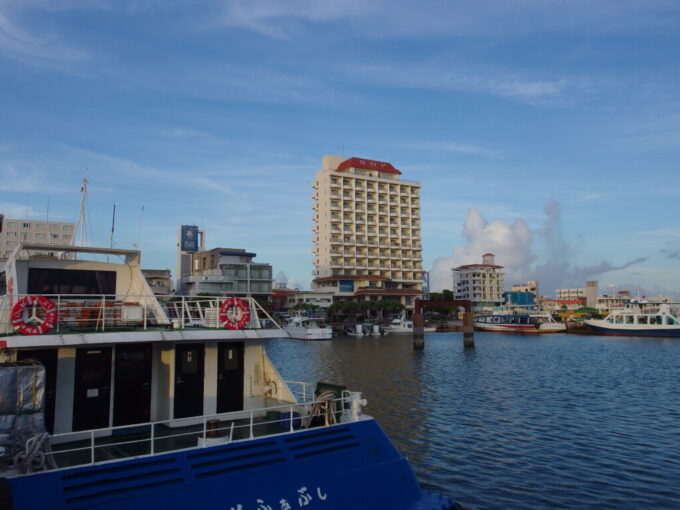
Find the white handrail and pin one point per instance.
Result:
(348, 405)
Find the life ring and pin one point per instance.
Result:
(234, 313)
(27, 326)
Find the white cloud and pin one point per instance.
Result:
(511, 243)
(513, 246)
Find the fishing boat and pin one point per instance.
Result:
(528, 323)
(111, 398)
(308, 328)
(638, 318)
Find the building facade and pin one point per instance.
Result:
(227, 271)
(160, 281)
(481, 284)
(366, 232)
(13, 232)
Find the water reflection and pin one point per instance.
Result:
(554, 421)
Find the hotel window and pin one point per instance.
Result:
(67, 227)
(26, 225)
(39, 235)
(11, 224)
(40, 226)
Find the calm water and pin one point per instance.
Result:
(554, 421)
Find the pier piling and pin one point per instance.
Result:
(419, 321)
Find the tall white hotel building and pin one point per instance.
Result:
(366, 232)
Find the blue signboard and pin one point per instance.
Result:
(189, 238)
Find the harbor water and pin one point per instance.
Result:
(518, 422)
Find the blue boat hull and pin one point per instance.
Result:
(345, 466)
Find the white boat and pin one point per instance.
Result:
(308, 328)
(638, 318)
(401, 325)
(528, 323)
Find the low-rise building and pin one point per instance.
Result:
(160, 281)
(481, 284)
(14, 231)
(227, 271)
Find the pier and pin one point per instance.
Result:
(419, 321)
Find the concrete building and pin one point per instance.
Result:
(591, 292)
(13, 232)
(227, 271)
(530, 286)
(160, 281)
(481, 284)
(366, 232)
(561, 294)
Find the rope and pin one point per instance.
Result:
(322, 407)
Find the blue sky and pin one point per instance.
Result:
(546, 131)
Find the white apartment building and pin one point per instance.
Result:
(590, 292)
(366, 231)
(481, 284)
(13, 232)
(227, 271)
(562, 294)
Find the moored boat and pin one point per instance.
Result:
(402, 325)
(113, 399)
(528, 323)
(638, 318)
(308, 328)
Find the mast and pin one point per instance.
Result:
(81, 219)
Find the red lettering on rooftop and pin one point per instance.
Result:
(367, 164)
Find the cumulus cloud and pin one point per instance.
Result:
(511, 243)
(282, 280)
(513, 246)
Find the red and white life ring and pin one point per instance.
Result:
(234, 313)
(29, 323)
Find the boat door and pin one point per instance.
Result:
(91, 396)
(188, 380)
(230, 377)
(48, 359)
(132, 384)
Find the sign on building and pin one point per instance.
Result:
(189, 238)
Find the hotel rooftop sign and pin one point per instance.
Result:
(367, 164)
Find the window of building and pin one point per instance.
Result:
(26, 225)
(67, 227)
(11, 224)
(40, 226)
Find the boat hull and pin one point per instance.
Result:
(526, 329)
(350, 465)
(618, 331)
(301, 333)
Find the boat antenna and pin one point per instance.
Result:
(113, 224)
(139, 228)
(80, 225)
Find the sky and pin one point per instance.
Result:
(546, 132)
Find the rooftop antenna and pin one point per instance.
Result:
(113, 224)
(47, 215)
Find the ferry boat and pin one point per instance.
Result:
(638, 318)
(308, 328)
(528, 323)
(111, 398)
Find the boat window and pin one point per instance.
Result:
(659, 319)
(642, 319)
(630, 319)
(71, 281)
(671, 320)
(618, 319)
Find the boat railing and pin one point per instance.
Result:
(63, 313)
(147, 439)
